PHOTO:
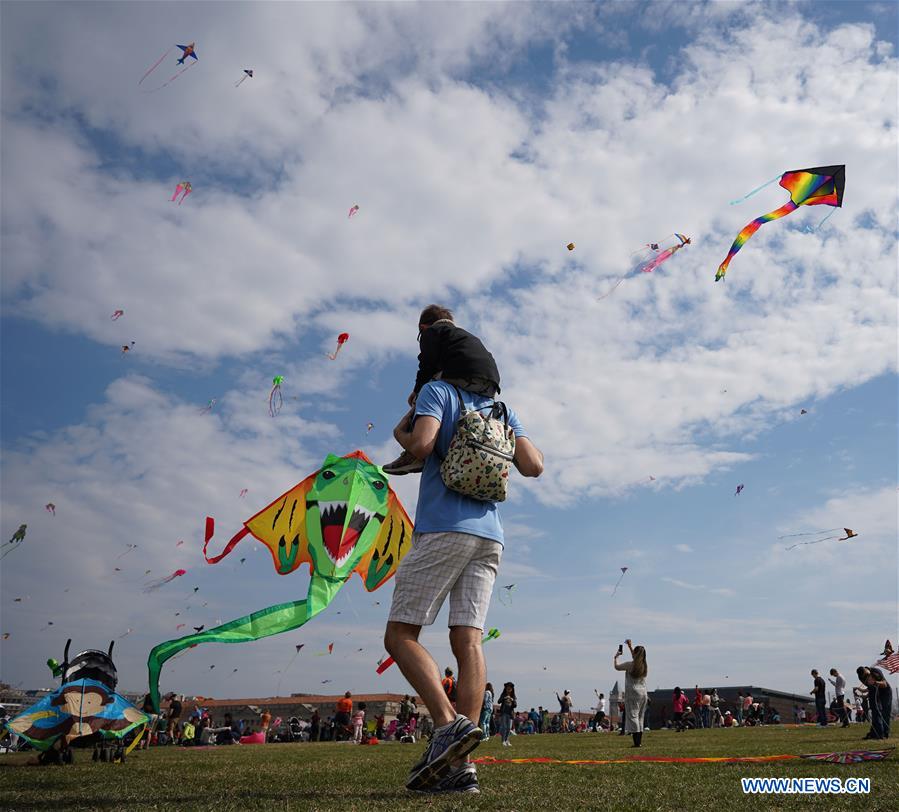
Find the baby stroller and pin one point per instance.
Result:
(295, 731)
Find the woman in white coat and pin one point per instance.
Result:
(635, 672)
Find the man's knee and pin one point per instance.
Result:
(464, 640)
(396, 633)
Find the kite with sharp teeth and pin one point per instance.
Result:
(342, 519)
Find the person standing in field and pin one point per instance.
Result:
(839, 687)
(635, 671)
(456, 549)
(819, 691)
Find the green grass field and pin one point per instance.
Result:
(344, 776)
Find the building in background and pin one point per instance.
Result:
(782, 701)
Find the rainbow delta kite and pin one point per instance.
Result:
(818, 186)
(342, 519)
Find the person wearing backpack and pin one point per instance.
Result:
(449, 684)
(451, 354)
(455, 552)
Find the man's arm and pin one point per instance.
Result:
(420, 441)
(528, 458)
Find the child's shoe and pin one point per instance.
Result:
(405, 463)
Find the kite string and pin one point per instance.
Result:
(826, 218)
(154, 66)
(754, 191)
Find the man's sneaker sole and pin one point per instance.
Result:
(403, 470)
(435, 771)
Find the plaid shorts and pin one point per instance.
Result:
(460, 565)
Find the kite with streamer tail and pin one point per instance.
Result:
(248, 74)
(117, 314)
(650, 257)
(739, 489)
(817, 186)
(340, 520)
(275, 399)
(183, 188)
(850, 534)
(243, 492)
(384, 664)
(127, 348)
(326, 653)
(618, 582)
(17, 538)
(131, 549)
(50, 508)
(160, 582)
(369, 427)
(353, 210)
(341, 340)
(850, 756)
(506, 599)
(209, 406)
(186, 51)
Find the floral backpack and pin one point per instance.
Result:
(479, 456)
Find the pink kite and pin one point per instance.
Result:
(353, 211)
(180, 542)
(154, 585)
(183, 186)
(50, 508)
(117, 314)
(341, 340)
(253, 738)
(244, 492)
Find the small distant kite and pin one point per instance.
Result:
(117, 314)
(326, 681)
(160, 582)
(186, 51)
(127, 348)
(296, 653)
(6, 635)
(179, 543)
(248, 74)
(209, 406)
(326, 653)
(650, 257)
(50, 508)
(353, 210)
(211, 667)
(803, 411)
(739, 489)
(180, 626)
(492, 634)
(850, 534)
(198, 629)
(244, 492)
(341, 340)
(620, 578)
(275, 399)
(131, 549)
(17, 538)
(851, 756)
(125, 634)
(505, 595)
(184, 189)
(49, 624)
(817, 186)
(369, 427)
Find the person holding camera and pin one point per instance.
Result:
(635, 672)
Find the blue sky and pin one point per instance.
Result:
(478, 140)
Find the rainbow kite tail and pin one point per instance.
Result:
(748, 230)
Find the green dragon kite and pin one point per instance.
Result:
(342, 519)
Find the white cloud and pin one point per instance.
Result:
(683, 548)
(699, 587)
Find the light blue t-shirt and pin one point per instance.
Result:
(441, 510)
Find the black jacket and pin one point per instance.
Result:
(454, 353)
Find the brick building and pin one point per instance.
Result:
(781, 701)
